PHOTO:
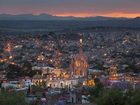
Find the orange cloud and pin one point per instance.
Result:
(120, 14)
(75, 14)
(114, 14)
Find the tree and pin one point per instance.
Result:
(111, 97)
(117, 97)
(27, 69)
(13, 71)
(34, 72)
(133, 98)
(97, 90)
(12, 99)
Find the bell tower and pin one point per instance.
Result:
(79, 63)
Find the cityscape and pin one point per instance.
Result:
(69, 57)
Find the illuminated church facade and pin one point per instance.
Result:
(79, 64)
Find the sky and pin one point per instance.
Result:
(77, 8)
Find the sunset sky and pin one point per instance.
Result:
(77, 8)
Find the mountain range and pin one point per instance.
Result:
(50, 22)
(51, 17)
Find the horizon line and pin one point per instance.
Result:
(67, 15)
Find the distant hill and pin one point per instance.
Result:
(33, 17)
(51, 17)
(46, 22)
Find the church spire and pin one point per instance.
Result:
(81, 46)
(81, 41)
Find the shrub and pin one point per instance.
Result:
(12, 98)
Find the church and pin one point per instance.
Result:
(77, 75)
